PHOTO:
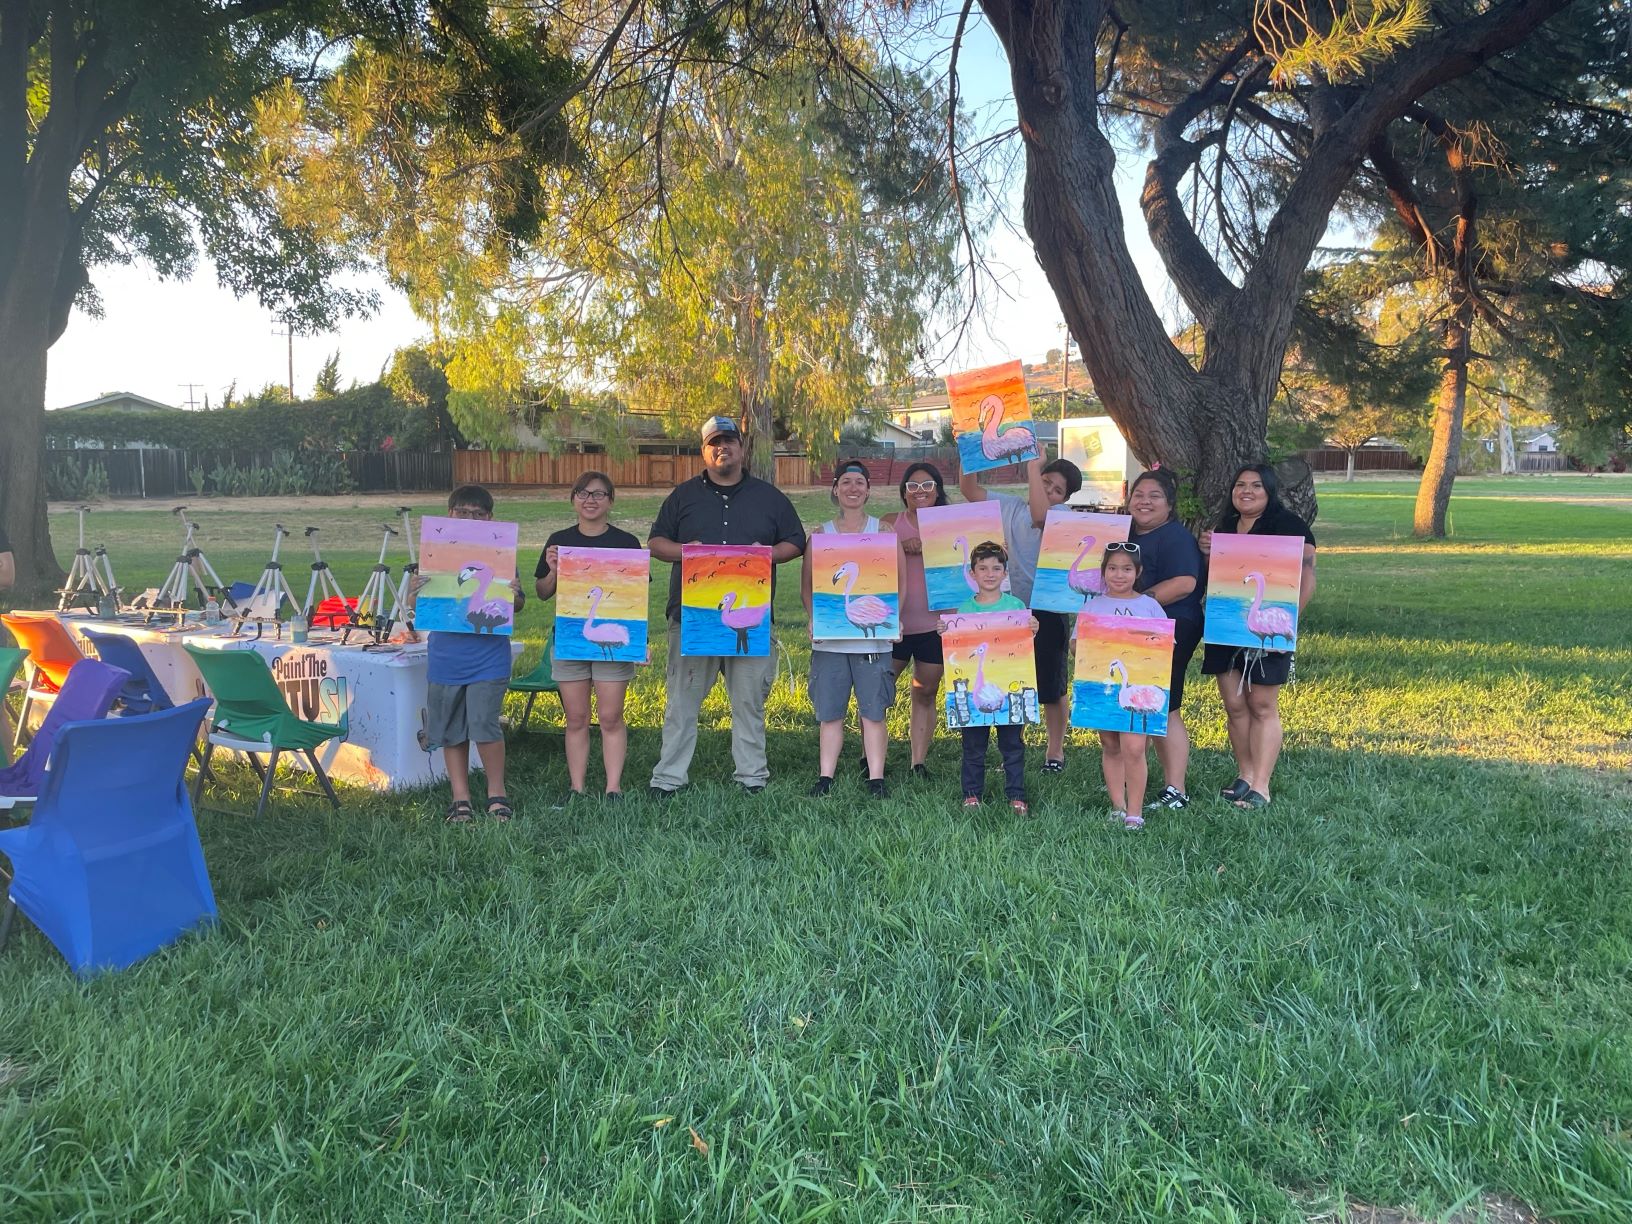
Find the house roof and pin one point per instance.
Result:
(116, 397)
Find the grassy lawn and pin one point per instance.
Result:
(1407, 983)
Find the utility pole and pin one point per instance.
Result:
(1065, 374)
(288, 333)
(192, 400)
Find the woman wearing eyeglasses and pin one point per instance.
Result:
(920, 644)
(592, 498)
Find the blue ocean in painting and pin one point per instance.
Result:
(570, 642)
(973, 458)
(704, 633)
(1227, 622)
(947, 586)
(1020, 708)
(1094, 705)
(1052, 592)
(439, 614)
(828, 621)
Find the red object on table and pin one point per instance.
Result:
(333, 613)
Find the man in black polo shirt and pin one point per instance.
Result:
(724, 505)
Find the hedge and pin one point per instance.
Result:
(359, 419)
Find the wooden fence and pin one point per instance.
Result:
(1366, 459)
(538, 469)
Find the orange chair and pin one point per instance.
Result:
(52, 651)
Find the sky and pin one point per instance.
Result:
(177, 342)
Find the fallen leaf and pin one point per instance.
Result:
(697, 1141)
(662, 1122)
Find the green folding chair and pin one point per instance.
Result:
(540, 680)
(252, 717)
(12, 659)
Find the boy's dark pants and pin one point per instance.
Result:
(1011, 743)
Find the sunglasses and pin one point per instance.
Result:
(921, 486)
(1121, 546)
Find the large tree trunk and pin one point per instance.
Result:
(1439, 473)
(22, 460)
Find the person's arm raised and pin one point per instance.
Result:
(1035, 493)
(971, 488)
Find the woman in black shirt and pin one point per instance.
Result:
(1249, 679)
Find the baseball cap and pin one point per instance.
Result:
(717, 425)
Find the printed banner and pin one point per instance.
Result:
(1124, 667)
(1068, 562)
(469, 564)
(854, 586)
(725, 599)
(1252, 590)
(991, 416)
(949, 534)
(600, 604)
(991, 669)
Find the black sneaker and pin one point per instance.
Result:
(662, 795)
(612, 797)
(1171, 798)
(877, 789)
(920, 771)
(751, 790)
(823, 786)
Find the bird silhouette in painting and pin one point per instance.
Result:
(1136, 700)
(1011, 446)
(608, 635)
(483, 614)
(1266, 624)
(741, 619)
(961, 547)
(984, 695)
(1085, 580)
(866, 612)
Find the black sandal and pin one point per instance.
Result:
(1235, 790)
(1251, 801)
(459, 812)
(498, 807)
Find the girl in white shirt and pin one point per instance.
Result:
(1124, 751)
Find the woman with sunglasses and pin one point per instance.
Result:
(920, 644)
(592, 498)
(1250, 679)
(1170, 574)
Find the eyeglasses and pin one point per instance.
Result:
(592, 495)
(469, 512)
(921, 486)
(1121, 546)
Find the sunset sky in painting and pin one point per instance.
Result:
(1009, 661)
(448, 544)
(709, 571)
(968, 389)
(1145, 646)
(622, 573)
(874, 554)
(939, 526)
(1063, 533)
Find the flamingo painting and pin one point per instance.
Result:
(983, 695)
(1014, 445)
(1267, 624)
(1136, 700)
(867, 613)
(484, 614)
(961, 546)
(608, 635)
(741, 619)
(1085, 580)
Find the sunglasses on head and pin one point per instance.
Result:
(1121, 546)
(920, 486)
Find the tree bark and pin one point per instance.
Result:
(1439, 472)
(22, 462)
(1349, 474)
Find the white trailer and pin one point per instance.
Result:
(1096, 446)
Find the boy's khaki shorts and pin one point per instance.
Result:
(464, 713)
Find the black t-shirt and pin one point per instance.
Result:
(1279, 521)
(1170, 551)
(571, 537)
(752, 511)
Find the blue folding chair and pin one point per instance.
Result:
(110, 869)
(89, 692)
(144, 692)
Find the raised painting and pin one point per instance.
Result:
(468, 565)
(991, 417)
(725, 599)
(1124, 666)
(1068, 562)
(600, 604)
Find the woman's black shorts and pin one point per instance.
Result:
(1268, 669)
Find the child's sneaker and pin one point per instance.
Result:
(1132, 820)
(1171, 798)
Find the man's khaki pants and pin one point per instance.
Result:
(747, 685)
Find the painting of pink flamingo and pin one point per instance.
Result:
(991, 416)
(1252, 591)
(991, 669)
(741, 620)
(855, 586)
(468, 565)
(601, 598)
(961, 544)
(1068, 560)
(1124, 665)
(725, 600)
(950, 534)
(868, 613)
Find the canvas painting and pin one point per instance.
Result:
(854, 586)
(725, 599)
(1252, 590)
(1124, 666)
(469, 565)
(991, 670)
(600, 604)
(1068, 561)
(949, 533)
(991, 416)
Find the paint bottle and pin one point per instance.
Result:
(212, 612)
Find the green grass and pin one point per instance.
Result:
(1405, 983)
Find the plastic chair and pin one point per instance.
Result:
(540, 680)
(52, 652)
(11, 662)
(110, 869)
(89, 693)
(144, 691)
(252, 717)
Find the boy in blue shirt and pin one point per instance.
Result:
(469, 675)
